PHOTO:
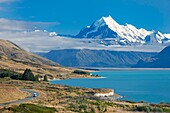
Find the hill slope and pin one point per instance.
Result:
(10, 93)
(14, 52)
(95, 58)
(161, 60)
(14, 58)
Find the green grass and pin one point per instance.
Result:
(31, 108)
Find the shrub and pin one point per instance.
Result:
(72, 107)
(166, 110)
(45, 78)
(83, 107)
(157, 109)
(7, 73)
(143, 108)
(32, 108)
(149, 108)
(81, 72)
(92, 110)
(37, 77)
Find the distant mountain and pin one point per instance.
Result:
(13, 57)
(161, 60)
(95, 58)
(108, 28)
(156, 37)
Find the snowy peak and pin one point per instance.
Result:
(101, 28)
(106, 21)
(167, 36)
(157, 37)
(112, 24)
(108, 24)
(107, 27)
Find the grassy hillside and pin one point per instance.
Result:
(14, 58)
(10, 93)
(66, 99)
(31, 108)
(16, 53)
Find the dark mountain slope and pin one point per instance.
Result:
(161, 60)
(95, 58)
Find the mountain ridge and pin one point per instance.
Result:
(161, 60)
(127, 34)
(95, 58)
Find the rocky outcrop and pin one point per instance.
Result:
(105, 94)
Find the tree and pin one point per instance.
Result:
(45, 78)
(28, 75)
(37, 77)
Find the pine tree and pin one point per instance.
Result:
(28, 75)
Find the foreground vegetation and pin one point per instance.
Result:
(30, 108)
(64, 99)
(27, 75)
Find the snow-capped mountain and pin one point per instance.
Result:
(107, 28)
(156, 37)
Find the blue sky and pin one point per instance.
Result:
(69, 16)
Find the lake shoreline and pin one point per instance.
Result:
(123, 87)
(120, 69)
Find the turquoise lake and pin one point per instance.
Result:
(136, 85)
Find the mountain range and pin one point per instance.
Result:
(106, 32)
(104, 43)
(95, 58)
(112, 33)
(161, 60)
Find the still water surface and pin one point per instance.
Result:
(135, 85)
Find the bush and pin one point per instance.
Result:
(149, 109)
(93, 110)
(45, 78)
(27, 75)
(37, 77)
(81, 72)
(32, 108)
(7, 73)
(166, 110)
(83, 107)
(157, 109)
(144, 108)
(72, 107)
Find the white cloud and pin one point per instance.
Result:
(8, 1)
(22, 33)
(6, 24)
(40, 41)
